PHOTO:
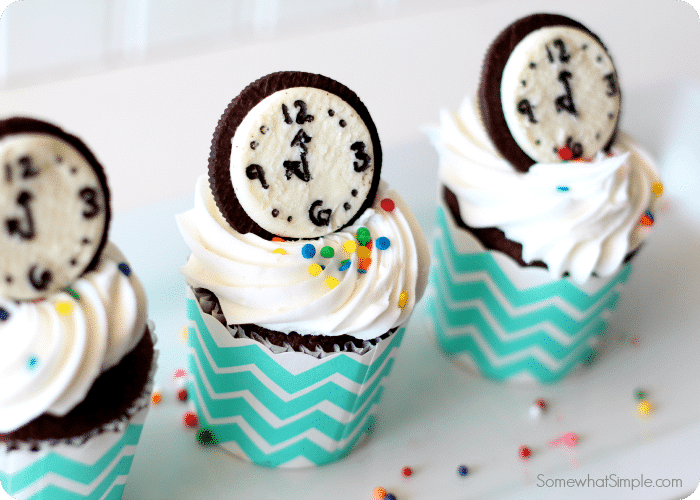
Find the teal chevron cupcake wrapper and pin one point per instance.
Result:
(490, 320)
(95, 470)
(287, 409)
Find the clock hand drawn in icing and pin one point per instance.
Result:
(549, 83)
(54, 208)
(304, 157)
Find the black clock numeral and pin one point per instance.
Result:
(40, 279)
(254, 171)
(296, 167)
(360, 154)
(566, 101)
(285, 113)
(575, 147)
(525, 108)
(89, 196)
(301, 139)
(564, 56)
(24, 228)
(612, 84)
(25, 165)
(319, 217)
(302, 116)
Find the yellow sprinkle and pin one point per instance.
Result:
(332, 282)
(184, 334)
(281, 251)
(349, 246)
(657, 188)
(315, 269)
(644, 407)
(403, 298)
(64, 308)
(363, 252)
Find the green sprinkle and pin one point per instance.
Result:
(327, 252)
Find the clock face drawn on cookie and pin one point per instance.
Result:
(54, 209)
(548, 83)
(303, 157)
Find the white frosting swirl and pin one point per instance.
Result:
(576, 217)
(54, 349)
(277, 291)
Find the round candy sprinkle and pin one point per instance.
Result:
(383, 243)
(537, 408)
(344, 265)
(315, 269)
(647, 219)
(349, 246)
(4, 315)
(156, 398)
(379, 493)
(363, 235)
(280, 251)
(332, 282)
(657, 189)
(368, 245)
(406, 472)
(206, 437)
(32, 363)
(178, 374)
(182, 395)
(190, 419)
(640, 394)
(363, 252)
(387, 204)
(462, 470)
(524, 452)
(403, 298)
(364, 264)
(644, 408)
(565, 153)
(125, 269)
(389, 496)
(327, 252)
(64, 308)
(308, 251)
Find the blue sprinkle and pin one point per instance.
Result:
(125, 269)
(4, 315)
(362, 271)
(648, 214)
(562, 189)
(383, 243)
(323, 267)
(344, 265)
(308, 251)
(389, 496)
(32, 363)
(462, 470)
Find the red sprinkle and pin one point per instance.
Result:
(524, 452)
(541, 403)
(647, 220)
(182, 395)
(406, 472)
(387, 204)
(190, 419)
(565, 153)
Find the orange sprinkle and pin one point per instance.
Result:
(277, 238)
(379, 493)
(156, 398)
(363, 252)
(365, 263)
(657, 189)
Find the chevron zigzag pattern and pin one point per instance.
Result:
(57, 477)
(273, 416)
(506, 332)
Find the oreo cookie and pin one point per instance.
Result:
(54, 208)
(549, 92)
(294, 155)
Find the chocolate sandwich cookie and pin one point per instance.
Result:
(549, 92)
(295, 155)
(54, 208)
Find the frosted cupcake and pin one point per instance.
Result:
(78, 357)
(303, 273)
(543, 205)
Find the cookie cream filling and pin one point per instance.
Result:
(576, 217)
(279, 286)
(54, 349)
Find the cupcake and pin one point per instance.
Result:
(304, 270)
(77, 360)
(543, 204)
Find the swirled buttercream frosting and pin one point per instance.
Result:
(54, 349)
(578, 217)
(322, 286)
